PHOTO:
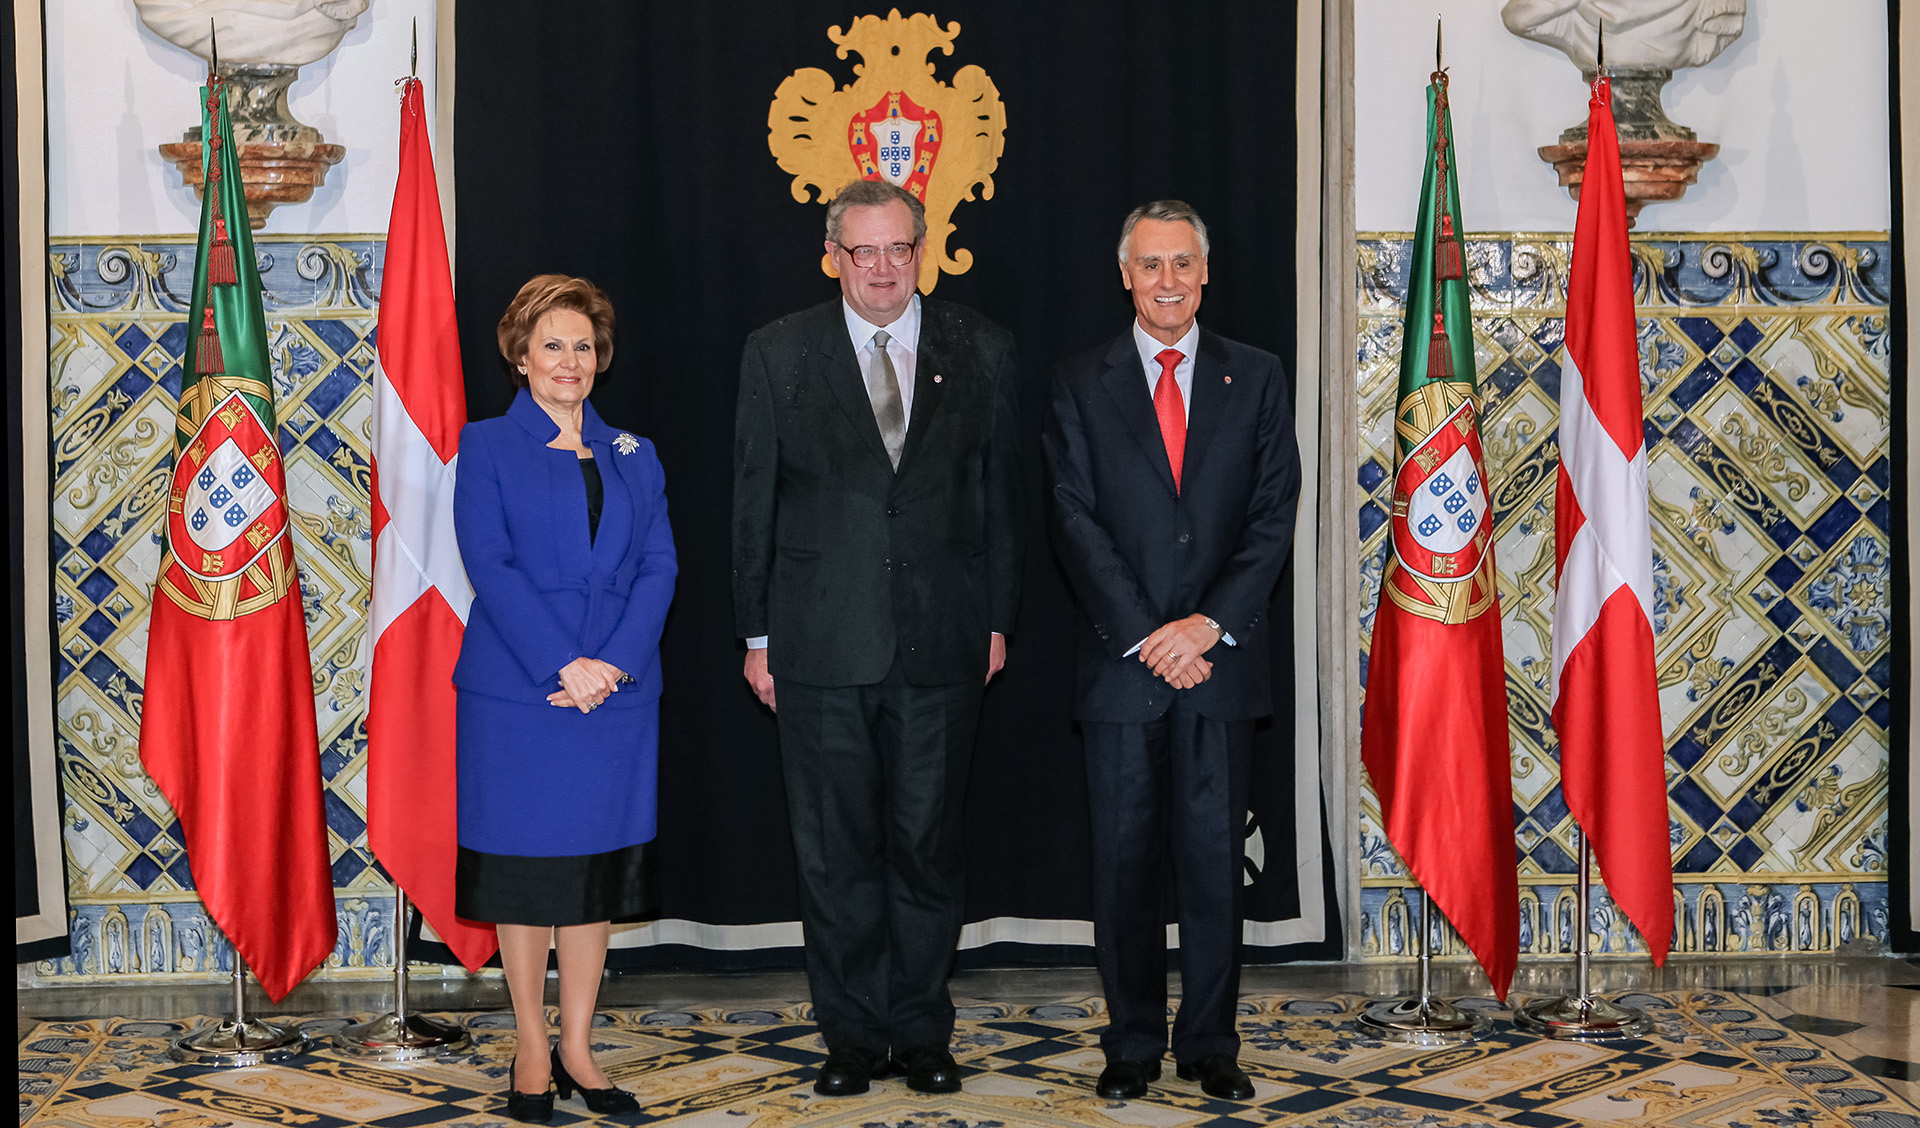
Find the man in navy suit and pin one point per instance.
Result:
(1175, 477)
(876, 566)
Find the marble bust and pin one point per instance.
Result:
(1653, 34)
(292, 32)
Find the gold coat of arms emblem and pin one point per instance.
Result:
(895, 122)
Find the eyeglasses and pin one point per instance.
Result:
(865, 255)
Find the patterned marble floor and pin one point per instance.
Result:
(1772, 1056)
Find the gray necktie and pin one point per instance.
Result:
(883, 388)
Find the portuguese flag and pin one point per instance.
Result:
(1434, 732)
(227, 729)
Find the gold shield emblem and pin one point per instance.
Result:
(894, 122)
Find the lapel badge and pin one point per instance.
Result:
(1227, 379)
(895, 122)
(625, 443)
(937, 377)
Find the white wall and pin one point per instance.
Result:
(116, 91)
(1798, 106)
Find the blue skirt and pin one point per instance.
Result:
(556, 809)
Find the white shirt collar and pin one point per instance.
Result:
(904, 331)
(1150, 348)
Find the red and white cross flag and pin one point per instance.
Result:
(420, 588)
(1606, 704)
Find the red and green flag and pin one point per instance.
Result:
(1434, 732)
(227, 729)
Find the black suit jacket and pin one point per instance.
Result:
(1139, 555)
(844, 562)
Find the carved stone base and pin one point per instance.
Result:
(274, 174)
(1653, 171)
(282, 160)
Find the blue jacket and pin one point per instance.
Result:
(542, 596)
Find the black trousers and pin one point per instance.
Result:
(876, 783)
(1173, 787)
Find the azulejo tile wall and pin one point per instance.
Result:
(1764, 363)
(118, 334)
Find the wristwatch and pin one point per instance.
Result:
(1217, 628)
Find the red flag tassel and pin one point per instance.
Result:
(1446, 252)
(220, 264)
(207, 358)
(1439, 351)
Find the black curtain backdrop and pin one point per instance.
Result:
(627, 142)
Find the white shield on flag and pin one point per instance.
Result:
(224, 497)
(1449, 507)
(1442, 520)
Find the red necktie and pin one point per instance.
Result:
(1172, 413)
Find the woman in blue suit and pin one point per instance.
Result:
(562, 523)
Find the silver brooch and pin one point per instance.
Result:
(625, 443)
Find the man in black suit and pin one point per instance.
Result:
(1175, 476)
(876, 564)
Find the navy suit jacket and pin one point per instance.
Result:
(1139, 555)
(542, 595)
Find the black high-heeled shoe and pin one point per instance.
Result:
(609, 1101)
(529, 1108)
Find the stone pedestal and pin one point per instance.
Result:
(1658, 157)
(1652, 171)
(282, 160)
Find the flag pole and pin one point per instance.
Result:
(397, 1035)
(239, 1041)
(1586, 1018)
(1424, 1020)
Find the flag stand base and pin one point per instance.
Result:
(1424, 1022)
(1586, 1019)
(397, 1037)
(239, 1041)
(232, 1044)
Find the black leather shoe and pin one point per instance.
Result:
(845, 1073)
(530, 1108)
(606, 1102)
(1126, 1080)
(931, 1069)
(1219, 1077)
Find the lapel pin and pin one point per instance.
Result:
(937, 378)
(1228, 379)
